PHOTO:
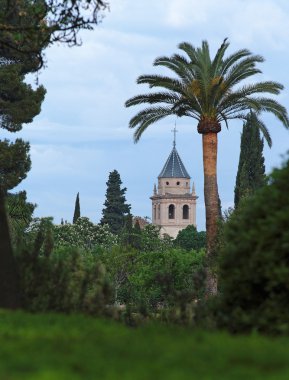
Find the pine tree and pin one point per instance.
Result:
(14, 163)
(19, 103)
(116, 209)
(76, 214)
(27, 27)
(251, 169)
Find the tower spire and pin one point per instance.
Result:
(174, 131)
(193, 189)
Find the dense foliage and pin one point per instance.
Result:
(254, 267)
(251, 168)
(154, 275)
(116, 209)
(165, 279)
(189, 238)
(83, 234)
(65, 281)
(20, 213)
(59, 263)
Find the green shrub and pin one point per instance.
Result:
(67, 280)
(153, 280)
(189, 238)
(254, 263)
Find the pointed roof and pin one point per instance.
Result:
(174, 167)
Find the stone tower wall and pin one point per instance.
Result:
(174, 192)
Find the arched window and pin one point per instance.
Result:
(171, 212)
(155, 212)
(185, 212)
(159, 211)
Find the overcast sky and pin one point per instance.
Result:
(82, 132)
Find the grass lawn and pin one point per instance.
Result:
(47, 347)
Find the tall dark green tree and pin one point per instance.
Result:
(27, 27)
(76, 214)
(9, 284)
(251, 169)
(116, 209)
(19, 103)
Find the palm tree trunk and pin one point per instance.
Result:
(210, 146)
(9, 286)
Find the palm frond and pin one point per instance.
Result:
(178, 64)
(259, 123)
(233, 58)
(161, 81)
(146, 117)
(189, 50)
(271, 106)
(157, 97)
(148, 114)
(242, 70)
(218, 60)
(234, 98)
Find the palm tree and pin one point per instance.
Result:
(211, 91)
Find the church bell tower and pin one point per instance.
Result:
(173, 201)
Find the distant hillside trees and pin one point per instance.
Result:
(115, 209)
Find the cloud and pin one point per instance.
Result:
(244, 22)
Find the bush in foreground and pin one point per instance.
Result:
(254, 265)
(65, 281)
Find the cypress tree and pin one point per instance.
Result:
(116, 209)
(251, 168)
(76, 214)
